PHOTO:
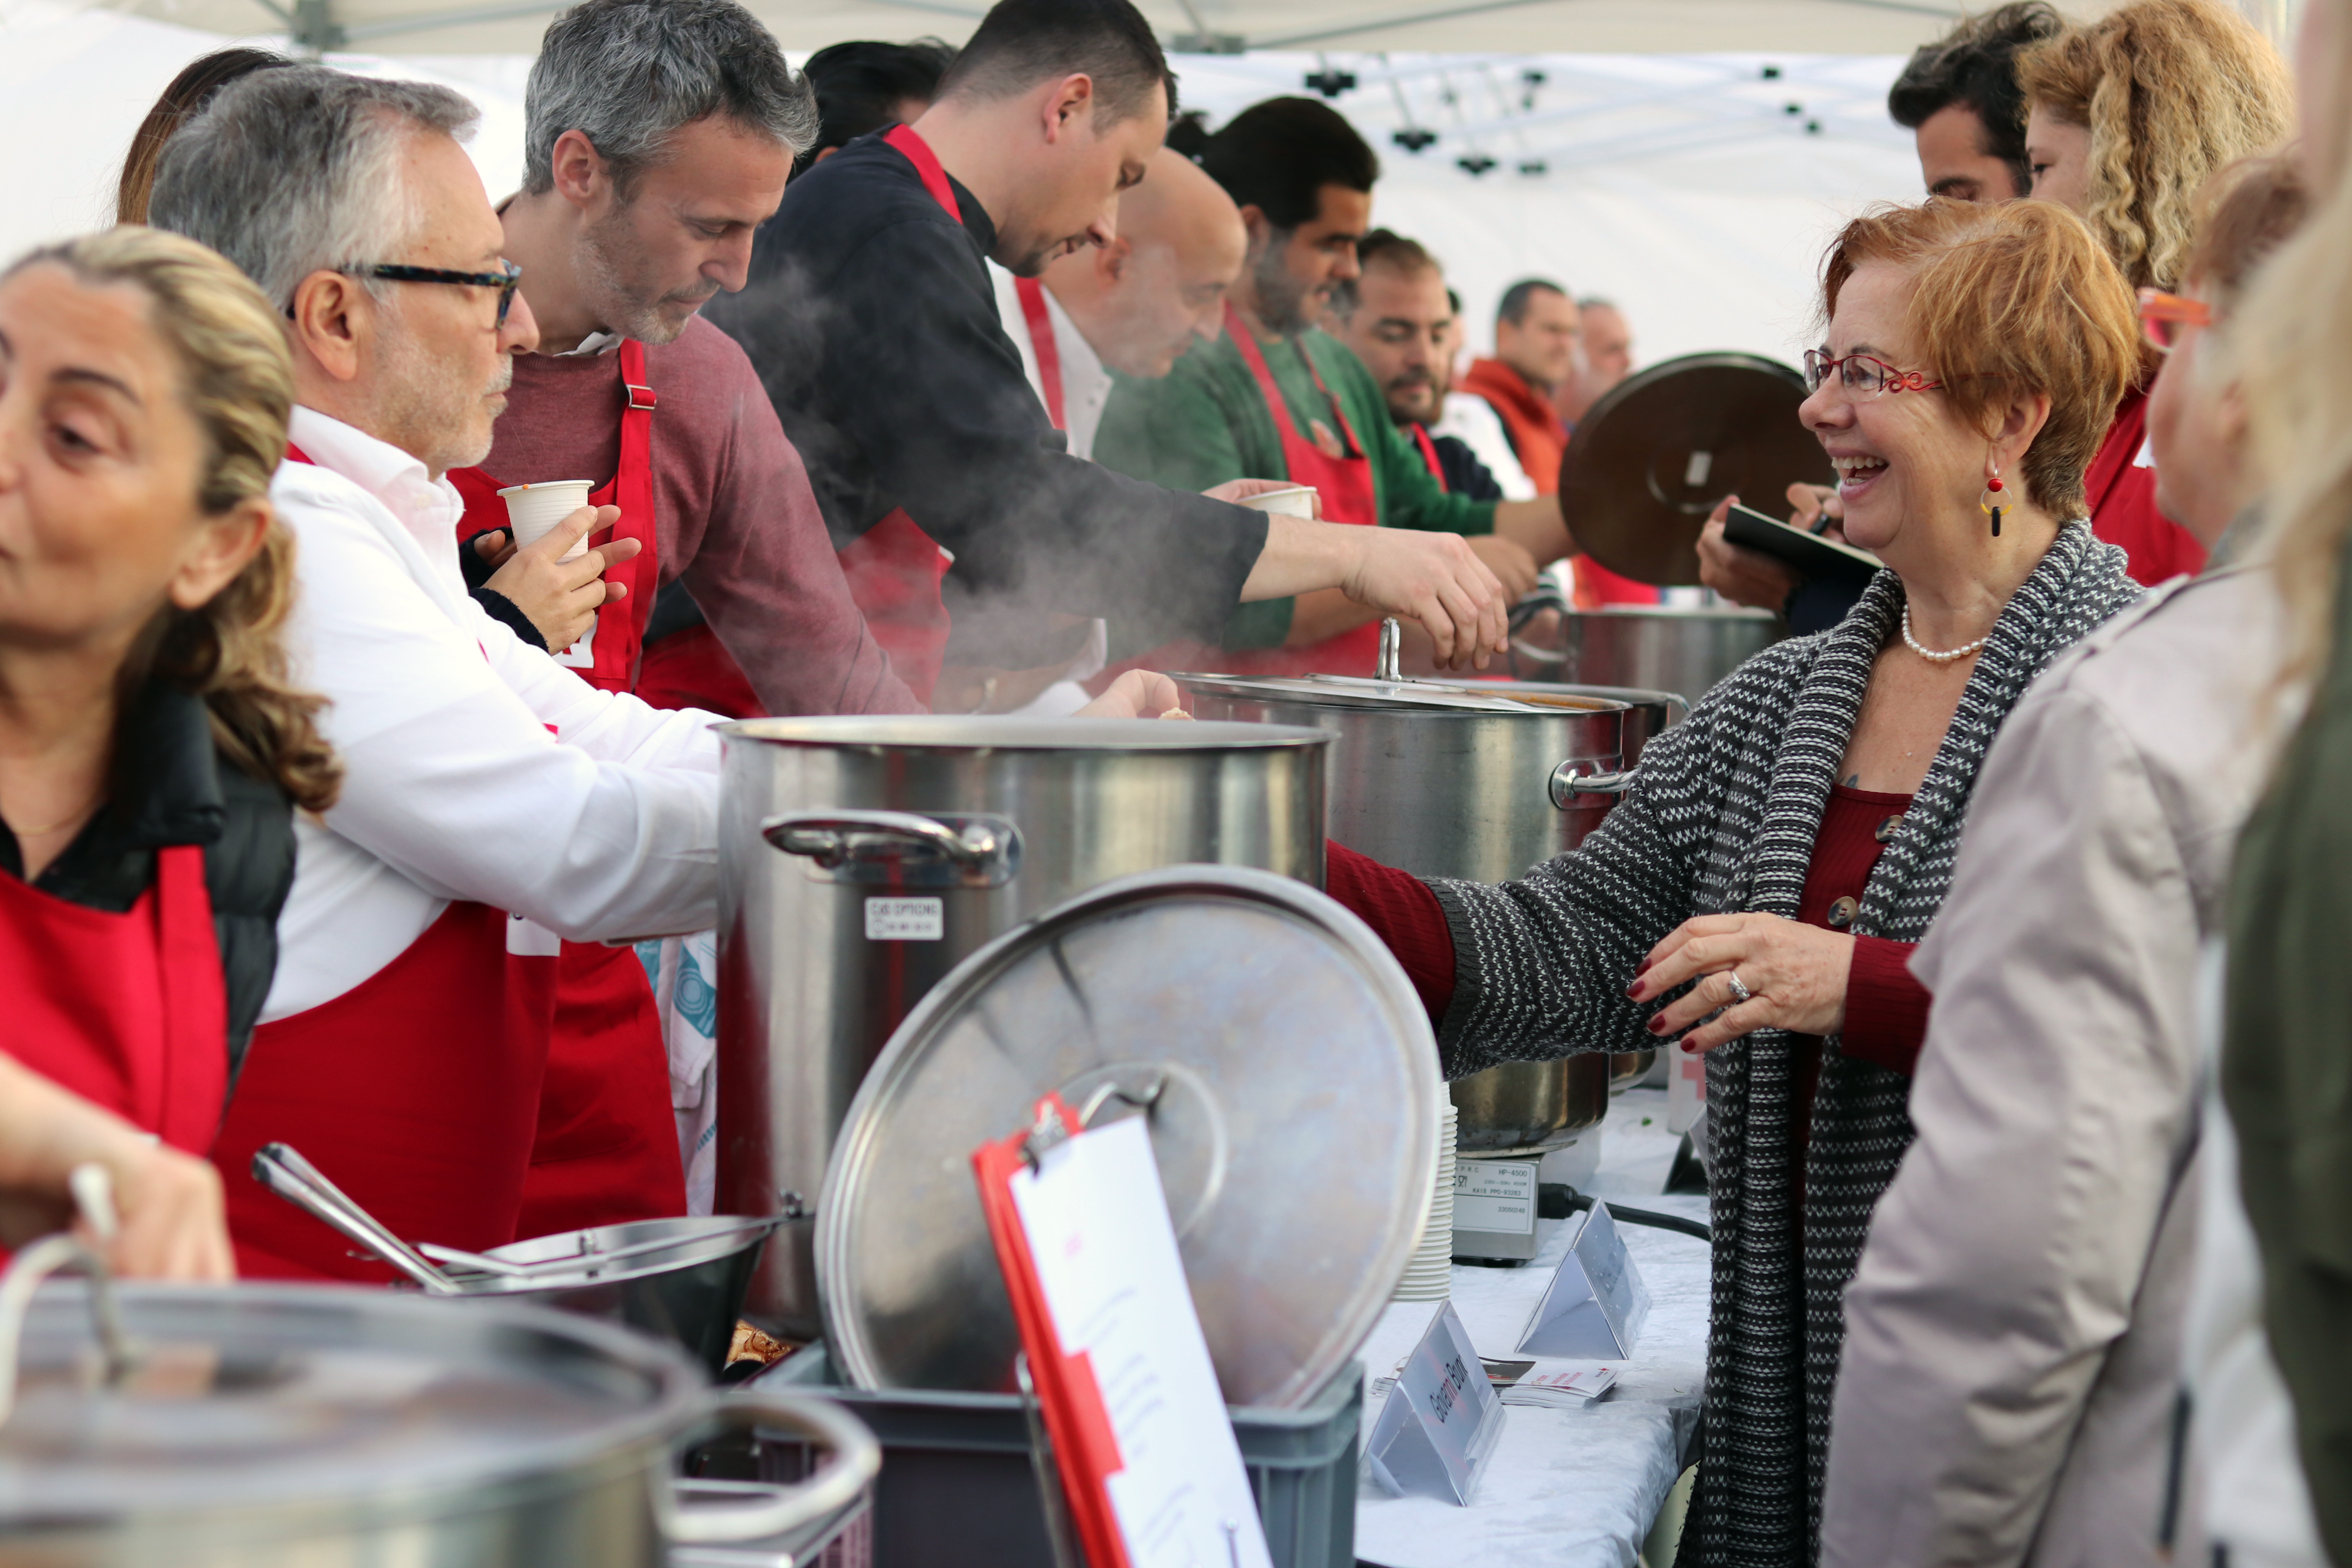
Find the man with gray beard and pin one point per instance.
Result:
(658, 136)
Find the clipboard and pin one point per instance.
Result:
(1148, 1466)
(1816, 555)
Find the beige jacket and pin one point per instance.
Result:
(2013, 1333)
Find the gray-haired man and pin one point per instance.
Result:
(659, 134)
(406, 1039)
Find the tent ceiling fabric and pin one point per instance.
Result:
(1594, 26)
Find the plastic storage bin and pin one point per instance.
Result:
(957, 1486)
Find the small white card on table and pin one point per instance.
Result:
(1441, 1421)
(1595, 1304)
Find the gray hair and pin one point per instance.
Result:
(629, 74)
(1596, 302)
(296, 171)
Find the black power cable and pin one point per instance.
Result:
(1558, 1200)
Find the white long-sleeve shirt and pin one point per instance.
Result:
(475, 767)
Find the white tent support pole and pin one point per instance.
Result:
(458, 18)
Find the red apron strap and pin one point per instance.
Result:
(1041, 338)
(608, 656)
(894, 568)
(1279, 406)
(1429, 453)
(195, 1000)
(919, 153)
(296, 454)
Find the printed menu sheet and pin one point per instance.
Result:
(1113, 1288)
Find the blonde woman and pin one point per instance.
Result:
(151, 751)
(2127, 119)
(2287, 1068)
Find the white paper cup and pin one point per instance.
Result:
(1298, 501)
(533, 510)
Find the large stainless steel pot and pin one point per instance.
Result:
(1479, 793)
(291, 1427)
(861, 859)
(1666, 647)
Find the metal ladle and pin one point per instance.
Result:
(277, 1167)
(579, 1262)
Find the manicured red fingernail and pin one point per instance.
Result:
(1689, 1049)
(1644, 967)
(1658, 1025)
(1635, 990)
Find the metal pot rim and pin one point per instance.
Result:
(677, 1403)
(1437, 701)
(1678, 613)
(1007, 732)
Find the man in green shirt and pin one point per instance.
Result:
(1303, 179)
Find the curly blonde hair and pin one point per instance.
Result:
(2017, 296)
(2170, 91)
(239, 385)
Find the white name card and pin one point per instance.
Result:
(905, 920)
(1596, 1302)
(1441, 1419)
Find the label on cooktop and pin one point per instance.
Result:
(1495, 1195)
(908, 919)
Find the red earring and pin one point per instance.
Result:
(1991, 502)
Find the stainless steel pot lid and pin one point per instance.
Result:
(1652, 457)
(260, 1395)
(1295, 1127)
(1363, 691)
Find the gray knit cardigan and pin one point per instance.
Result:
(1721, 819)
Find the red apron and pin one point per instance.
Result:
(692, 669)
(415, 1091)
(1345, 484)
(606, 1149)
(128, 1011)
(894, 567)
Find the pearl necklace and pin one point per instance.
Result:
(1931, 654)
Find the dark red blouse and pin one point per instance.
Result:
(1885, 1008)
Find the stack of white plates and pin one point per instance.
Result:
(1429, 1277)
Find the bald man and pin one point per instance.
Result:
(1130, 306)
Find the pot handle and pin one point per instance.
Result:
(984, 850)
(739, 1533)
(1570, 780)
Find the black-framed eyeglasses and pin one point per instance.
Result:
(505, 282)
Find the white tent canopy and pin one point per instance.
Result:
(1603, 27)
(1695, 191)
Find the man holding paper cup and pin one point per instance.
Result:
(494, 803)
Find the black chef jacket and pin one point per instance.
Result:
(872, 322)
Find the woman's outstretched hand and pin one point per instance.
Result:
(1795, 975)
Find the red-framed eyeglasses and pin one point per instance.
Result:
(2162, 315)
(1862, 375)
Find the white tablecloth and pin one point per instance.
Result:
(1565, 1488)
